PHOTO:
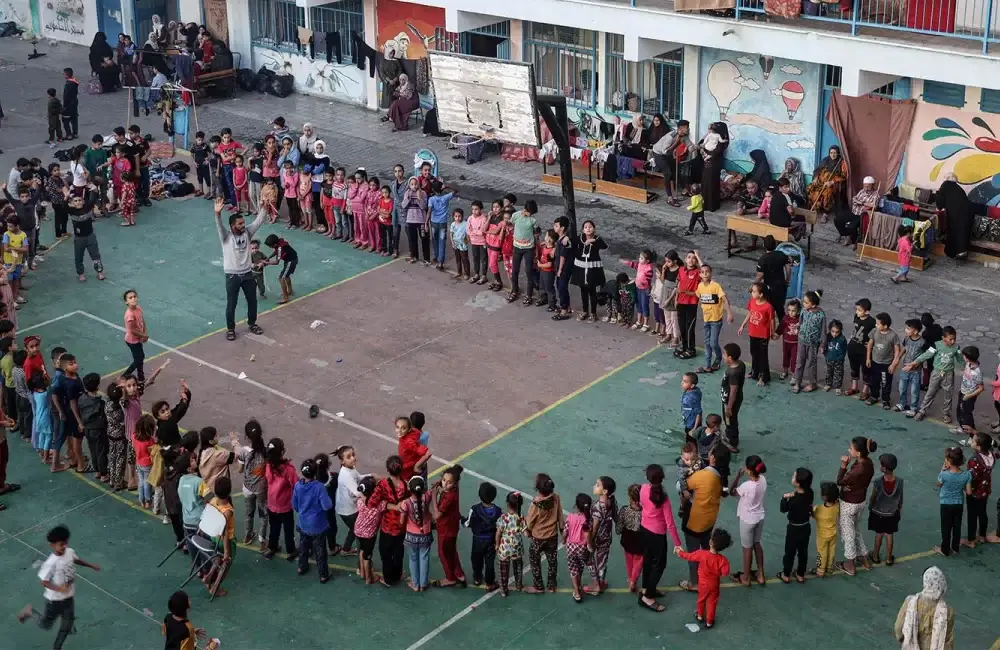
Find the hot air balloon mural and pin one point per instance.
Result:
(766, 65)
(723, 85)
(792, 95)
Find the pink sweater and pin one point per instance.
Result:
(658, 520)
(290, 182)
(356, 196)
(280, 486)
(643, 273)
(477, 230)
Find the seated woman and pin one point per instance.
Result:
(828, 183)
(109, 75)
(631, 140)
(848, 222)
(407, 100)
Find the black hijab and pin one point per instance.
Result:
(761, 173)
(831, 165)
(951, 198)
(657, 132)
(98, 50)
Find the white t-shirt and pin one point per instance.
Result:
(347, 491)
(751, 507)
(60, 570)
(79, 175)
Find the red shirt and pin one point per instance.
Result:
(790, 328)
(410, 451)
(228, 150)
(982, 479)
(687, 280)
(385, 211)
(448, 522)
(35, 363)
(761, 317)
(392, 522)
(711, 568)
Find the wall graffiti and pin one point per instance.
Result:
(15, 11)
(64, 20)
(315, 77)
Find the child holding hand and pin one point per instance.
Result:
(712, 565)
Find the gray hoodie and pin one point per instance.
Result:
(236, 248)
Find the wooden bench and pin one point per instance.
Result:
(754, 226)
(222, 80)
(582, 184)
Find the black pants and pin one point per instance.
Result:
(138, 358)
(588, 296)
(528, 256)
(856, 358)
(733, 423)
(390, 550)
(396, 232)
(177, 526)
(880, 382)
(57, 609)
(848, 226)
(25, 417)
(693, 541)
(87, 244)
(479, 263)
(276, 521)
(97, 442)
(687, 318)
(977, 517)
(654, 560)
(234, 284)
(10, 402)
(699, 219)
(951, 528)
(760, 366)
(796, 545)
(349, 522)
(965, 411)
(413, 234)
(318, 215)
(484, 555)
(294, 211)
(61, 212)
(777, 295)
(71, 125)
(386, 235)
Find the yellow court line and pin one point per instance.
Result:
(562, 400)
(268, 311)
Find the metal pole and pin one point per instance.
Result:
(552, 108)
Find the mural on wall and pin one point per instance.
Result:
(315, 77)
(768, 103)
(15, 11)
(64, 20)
(409, 28)
(948, 140)
(217, 19)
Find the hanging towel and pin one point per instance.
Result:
(908, 192)
(305, 37)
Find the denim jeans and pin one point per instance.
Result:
(420, 559)
(145, 489)
(909, 390)
(439, 235)
(712, 331)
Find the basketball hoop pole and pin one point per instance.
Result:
(552, 108)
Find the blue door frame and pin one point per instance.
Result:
(109, 19)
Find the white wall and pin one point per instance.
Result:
(343, 82)
(238, 13)
(74, 21)
(190, 11)
(16, 11)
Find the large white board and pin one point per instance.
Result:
(481, 96)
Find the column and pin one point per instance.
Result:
(692, 83)
(371, 37)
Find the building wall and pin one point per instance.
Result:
(963, 141)
(317, 77)
(74, 21)
(768, 104)
(16, 11)
(409, 27)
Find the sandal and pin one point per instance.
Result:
(687, 586)
(874, 559)
(578, 599)
(890, 560)
(511, 297)
(527, 301)
(738, 579)
(702, 370)
(841, 567)
(800, 579)
(654, 606)
(256, 329)
(230, 335)
(561, 316)
(781, 576)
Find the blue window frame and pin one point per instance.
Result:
(945, 94)
(343, 17)
(565, 61)
(652, 86)
(989, 100)
(275, 23)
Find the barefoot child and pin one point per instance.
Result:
(283, 251)
(510, 530)
(885, 509)
(712, 565)
(576, 536)
(750, 512)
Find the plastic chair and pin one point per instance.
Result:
(207, 541)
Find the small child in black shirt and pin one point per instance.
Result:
(283, 251)
(256, 175)
(214, 169)
(54, 111)
(95, 426)
(482, 521)
(258, 261)
(199, 152)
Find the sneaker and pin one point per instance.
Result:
(910, 414)
(38, 258)
(166, 520)
(958, 431)
(898, 408)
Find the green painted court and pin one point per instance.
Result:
(506, 391)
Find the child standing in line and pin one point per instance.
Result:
(482, 521)
(281, 479)
(338, 196)
(602, 516)
(448, 519)
(42, 431)
(789, 331)
(22, 397)
(884, 353)
(304, 192)
(330, 481)
(836, 351)
(142, 439)
(827, 518)
(58, 575)
(944, 355)
(283, 251)
(857, 346)
(690, 402)
(258, 261)
(114, 413)
(311, 502)
(199, 153)
(510, 529)
(995, 426)
(626, 300)
(357, 193)
(628, 525)
(507, 245)
(885, 509)
(798, 505)
(412, 452)
(644, 269)
(493, 236)
(576, 536)
(459, 232)
(546, 270)
(326, 204)
(290, 184)
(954, 484)
(543, 525)
(669, 271)
(372, 199)
(241, 184)
(385, 210)
(477, 244)
(223, 502)
(981, 469)
(712, 565)
(348, 479)
(714, 305)
(252, 459)
(417, 514)
(750, 512)
(91, 406)
(970, 389)
(366, 527)
(733, 380)
(697, 210)
(255, 175)
(215, 169)
(812, 343)
(759, 323)
(127, 201)
(904, 254)
(909, 380)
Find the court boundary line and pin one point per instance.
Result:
(36, 326)
(61, 514)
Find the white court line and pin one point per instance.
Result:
(48, 322)
(359, 427)
(61, 514)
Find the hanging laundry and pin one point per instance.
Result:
(363, 52)
(305, 37)
(332, 44)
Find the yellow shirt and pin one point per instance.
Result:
(826, 520)
(710, 296)
(706, 484)
(226, 508)
(13, 240)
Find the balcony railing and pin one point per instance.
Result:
(965, 24)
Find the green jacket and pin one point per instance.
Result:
(945, 356)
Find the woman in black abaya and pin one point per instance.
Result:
(958, 218)
(711, 167)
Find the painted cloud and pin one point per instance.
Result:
(745, 60)
(800, 144)
(790, 69)
(747, 82)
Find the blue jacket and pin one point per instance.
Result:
(691, 407)
(311, 501)
(482, 520)
(836, 349)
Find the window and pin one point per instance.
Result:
(651, 86)
(989, 100)
(342, 17)
(565, 61)
(887, 91)
(275, 23)
(945, 94)
(832, 76)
